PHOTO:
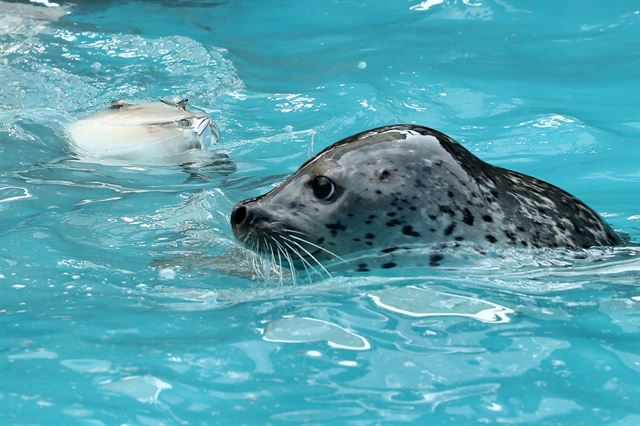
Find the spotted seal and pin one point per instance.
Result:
(150, 133)
(396, 186)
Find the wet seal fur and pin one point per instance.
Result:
(152, 133)
(397, 186)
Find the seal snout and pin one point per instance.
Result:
(239, 215)
(200, 124)
(247, 217)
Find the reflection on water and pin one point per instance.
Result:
(145, 389)
(305, 330)
(124, 298)
(420, 302)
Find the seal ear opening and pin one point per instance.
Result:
(117, 104)
(182, 104)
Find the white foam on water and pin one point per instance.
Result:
(426, 5)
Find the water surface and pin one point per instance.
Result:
(100, 326)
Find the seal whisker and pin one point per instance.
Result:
(305, 263)
(309, 254)
(317, 246)
(287, 256)
(280, 273)
(296, 232)
(272, 263)
(248, 241)
(276, 267)
(260, 261)
(259, 271)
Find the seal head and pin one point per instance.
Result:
(403, 185)
(149, 133)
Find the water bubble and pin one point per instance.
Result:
(167, 274)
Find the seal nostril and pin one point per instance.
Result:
(238, 215)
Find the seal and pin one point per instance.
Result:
(151, 133)
(397, 186)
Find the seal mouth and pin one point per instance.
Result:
(200, 125)
(287, 247)
(276, 240)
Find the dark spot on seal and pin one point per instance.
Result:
(369, 236)
(467, 217)
(335, 227)
(487, 218)
(378, 191)
(490, 238)
(408, 230)
(447, 209)
(369, 243)
(320, 240)
(450, 194)
(393, 222)
(389, 250)
(388, 265)
(432, 217)
(434, 259)
(459, 238)
(413, 208)
(391, 214)
(511, 236)
(363, 267)
(524, 243)
(372, 216)
(357, 239)
(449, 229)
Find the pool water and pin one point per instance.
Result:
(121, 298)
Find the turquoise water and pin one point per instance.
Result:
(120, 305)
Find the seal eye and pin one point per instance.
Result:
(384, 176)
(323, 187)
(184, 122)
